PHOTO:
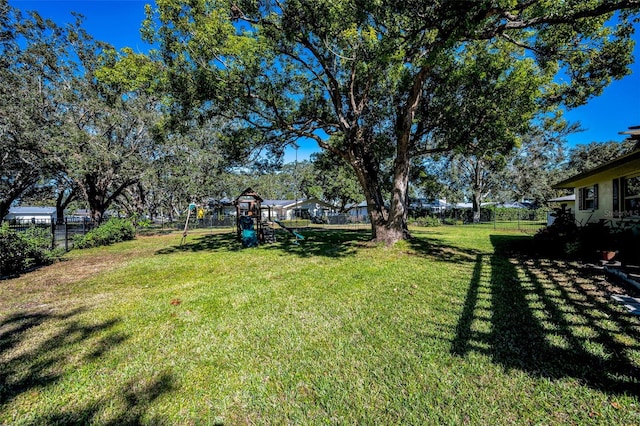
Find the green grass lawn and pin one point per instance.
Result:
(449, 328)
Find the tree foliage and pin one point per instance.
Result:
(370, 74)
(32, 70)
(64, 133)
(584, 157)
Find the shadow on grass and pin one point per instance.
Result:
(215, 242)
(547, 319)
(128, 405)
(328, 243)
(430, 246)
(321, 242)
(39, 349)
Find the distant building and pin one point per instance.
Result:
(31, 214)
(291, 209)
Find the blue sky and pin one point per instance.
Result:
(118, 22)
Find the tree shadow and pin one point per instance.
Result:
(548, 319)
(129, 404)
(320, 242)
(435, 248)
(37, 349)
(211, 243)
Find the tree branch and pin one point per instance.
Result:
(513, 22)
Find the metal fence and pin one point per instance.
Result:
(529, 221)
(524, 220)
(333, 221)
(62, 234)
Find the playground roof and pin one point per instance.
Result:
(250, 193)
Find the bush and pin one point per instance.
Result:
(511, 214)
(560, 239)
(38, 243)
(426, 221)
(26, 249)
(13, 251)
(113, 231)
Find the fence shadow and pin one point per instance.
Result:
(549, 320)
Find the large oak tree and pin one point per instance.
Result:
(33, 66)
(359, 76)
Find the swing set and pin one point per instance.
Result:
(251, 228)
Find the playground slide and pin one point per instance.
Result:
(291, 231)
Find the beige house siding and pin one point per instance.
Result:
(605, 203)
(603, 176)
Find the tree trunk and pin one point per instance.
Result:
(477, 189)
(100, 195)
(476, 202)
(378, 213)
(62, 202)
(5, 205)
(388, 224)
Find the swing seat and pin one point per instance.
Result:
(249, 238)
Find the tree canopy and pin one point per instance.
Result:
(366, 79)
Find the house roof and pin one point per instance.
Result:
(293, 203)
(353, 206)
(278, 203)
(424, 202)
(623, 160)
(571, 197)
(31, 210)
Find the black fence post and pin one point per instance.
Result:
(66, 234)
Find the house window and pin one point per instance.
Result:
(588, 198)
(632, 196)
(301, 213)
(616, 197)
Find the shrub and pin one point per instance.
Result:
(426, 221)
(26, 249)
(38, 245)
(560, 239)
(113, 231)
(13, 251)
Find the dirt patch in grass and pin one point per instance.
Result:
(54, 283)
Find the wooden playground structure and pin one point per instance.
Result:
(252, 227)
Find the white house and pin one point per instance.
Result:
(31, 214)
(358, 210)
(291, 209)
(433, 205)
